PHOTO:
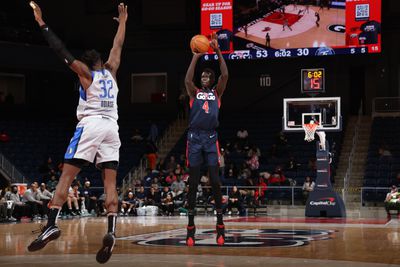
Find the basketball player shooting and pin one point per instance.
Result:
(96, 136)
(202, 136)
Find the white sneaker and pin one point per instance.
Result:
(215, 212)
(229, 212)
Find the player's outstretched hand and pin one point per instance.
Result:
(122, 13)
(214, 41)
(37, 12)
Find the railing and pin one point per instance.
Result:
(278, 193)
(138, 172)
(10, 170)
(347, 175)
(386, 106)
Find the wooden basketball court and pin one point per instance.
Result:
(251, 241)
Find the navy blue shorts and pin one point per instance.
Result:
(202, 146)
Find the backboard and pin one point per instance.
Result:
(322, 110)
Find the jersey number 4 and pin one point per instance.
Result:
(205, 107)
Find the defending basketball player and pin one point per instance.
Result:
(202, 136)
(96, 136)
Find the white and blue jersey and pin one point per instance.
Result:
(96, 137)
(100, 98)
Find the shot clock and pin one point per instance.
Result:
(313, 81)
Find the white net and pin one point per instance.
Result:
(309, 129)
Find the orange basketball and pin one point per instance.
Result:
(199, 44)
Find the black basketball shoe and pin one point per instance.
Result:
(190, 241)
(104, 254)
(220, 234)
(48, 233)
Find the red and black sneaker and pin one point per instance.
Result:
(191, 230)
(220, 234)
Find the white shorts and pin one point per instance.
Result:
(95, 137)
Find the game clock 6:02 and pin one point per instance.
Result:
(313, 81)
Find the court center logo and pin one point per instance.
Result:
(234, 238)
(339, 28)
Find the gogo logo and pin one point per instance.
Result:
(205, 96)
(234, 238)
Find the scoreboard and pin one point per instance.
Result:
(313, 81)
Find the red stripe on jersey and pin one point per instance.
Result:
(218, 151)
(191, 102)
(187, 153)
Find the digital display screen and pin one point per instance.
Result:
(313, 81)
(259, 29)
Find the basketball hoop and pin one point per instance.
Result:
(310, 129)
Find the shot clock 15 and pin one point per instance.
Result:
(313, 81)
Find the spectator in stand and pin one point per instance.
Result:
(178, 170)
(308, 187)
(156, 184)
(73, 197)
(178, 186)
(253, 163)
(170, 178)
(259, 194)
(180, 199)
(277, 178)
(18, 206)
(45, 196)
(242, 137)
(392, 202)
(153, 198)
(170, 165)
(167, 205)
(32, 199)
(151, 154)
(129, 205)
(235, 200)
(4, 137)
(153, 132)
(164, 193)
(88, 197)
(141, 196)
(136, 137)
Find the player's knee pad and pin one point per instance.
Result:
(113, 165)
(79, 163)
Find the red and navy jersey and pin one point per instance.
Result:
(204, 109)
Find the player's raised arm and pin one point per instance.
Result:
(57, 45)
(114, 58)
(223, 78)
(189, 84)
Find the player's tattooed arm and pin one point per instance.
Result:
(114, 59)
(223, 78)
(189, 84)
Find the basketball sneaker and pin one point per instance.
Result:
(220, 234)
(48, 234)
(104, 254)
(190, 241)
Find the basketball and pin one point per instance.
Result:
(199, 44)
